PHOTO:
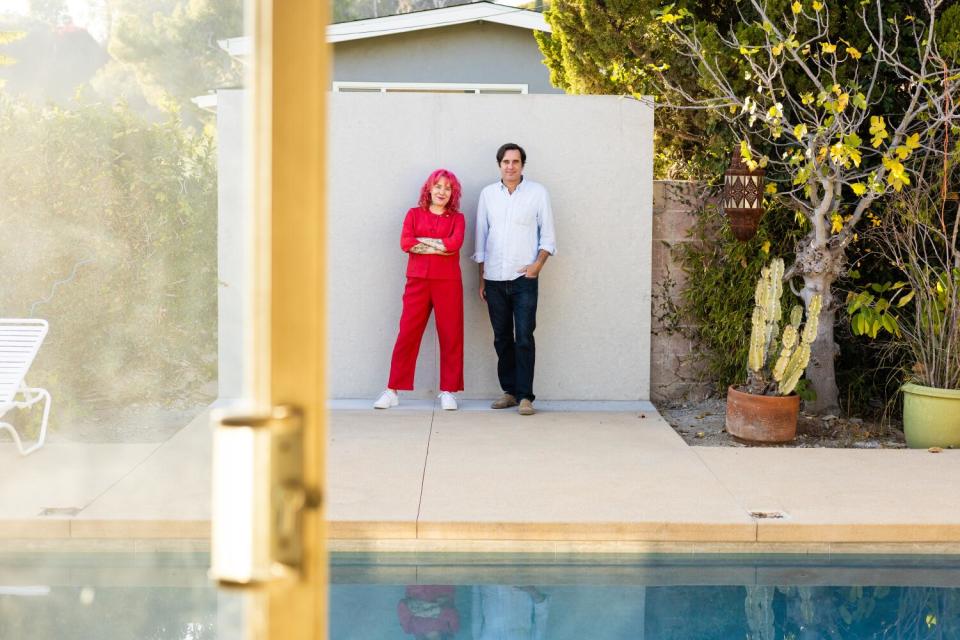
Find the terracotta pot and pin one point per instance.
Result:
(766, 419)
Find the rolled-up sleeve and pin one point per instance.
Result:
(408, 237)
(454, 241)
(548, 238)
(480, 247)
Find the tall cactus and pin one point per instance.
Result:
(790, 357)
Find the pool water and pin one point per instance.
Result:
(161, 596)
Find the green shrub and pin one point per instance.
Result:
(108, 227)
(721, 273)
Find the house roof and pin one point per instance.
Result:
(416, 21)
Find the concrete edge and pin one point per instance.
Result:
(859, 533)
(395, 530)
(599, 531)
(632, 537)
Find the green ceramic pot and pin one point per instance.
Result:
(931, 417)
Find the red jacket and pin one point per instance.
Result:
(447, 619)
(420, 223)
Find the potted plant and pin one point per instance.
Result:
(766, 408)
(921, 240)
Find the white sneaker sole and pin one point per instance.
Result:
(382, 403)
(447, 406)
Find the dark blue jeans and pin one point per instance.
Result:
(513, 313)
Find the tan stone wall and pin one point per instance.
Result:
(675, 373)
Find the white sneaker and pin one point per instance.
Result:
(386, 400)
(448, 401)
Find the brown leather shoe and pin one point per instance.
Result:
(526, 408)
(504, 402)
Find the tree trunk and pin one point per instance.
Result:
(820, 268)
(820, 371)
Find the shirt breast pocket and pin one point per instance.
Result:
(525, 218)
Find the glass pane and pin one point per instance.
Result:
(123, 225)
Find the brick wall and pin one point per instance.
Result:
(675, 374)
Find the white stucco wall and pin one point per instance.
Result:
(233, 226)
(594, 155)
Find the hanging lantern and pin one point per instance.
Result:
(743, 198)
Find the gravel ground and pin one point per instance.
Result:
(702, 424)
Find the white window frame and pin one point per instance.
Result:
(448, 87)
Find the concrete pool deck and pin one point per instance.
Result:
(575, 477)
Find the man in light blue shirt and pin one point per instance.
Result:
(515, 236)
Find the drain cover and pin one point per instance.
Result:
(767, 515)
(60, 511)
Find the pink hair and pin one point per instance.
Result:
(454, 203)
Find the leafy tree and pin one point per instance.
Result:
(813, 108)
(347, 10)
(6, 37)
(173, 46)
(49, 11)
(615, 48)
(108, 225)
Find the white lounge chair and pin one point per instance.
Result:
(20, 339)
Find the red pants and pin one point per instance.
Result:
(420, 296)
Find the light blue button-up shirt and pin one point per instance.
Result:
(512, 228)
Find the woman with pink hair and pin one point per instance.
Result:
(432, 235)
(428, 612)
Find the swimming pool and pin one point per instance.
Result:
(160, 596)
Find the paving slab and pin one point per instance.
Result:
(608, 478)
(61, 479)
(171, 484)
(844, 495)
(375, 462)
(570, 476)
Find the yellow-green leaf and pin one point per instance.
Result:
(777, 49)
(836, 223)
(897, 176)
(799, 131)
(855, 156)
(806, 98)
(860, 101)
(878, 129)
(842, 101)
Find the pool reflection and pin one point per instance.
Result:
(168, 596)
